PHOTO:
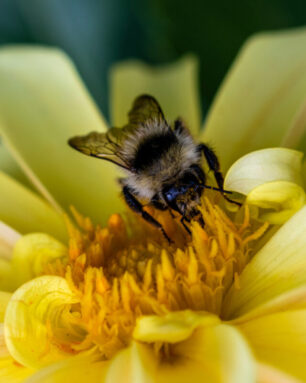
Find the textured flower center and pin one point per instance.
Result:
(127, 270)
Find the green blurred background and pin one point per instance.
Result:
(97, 33)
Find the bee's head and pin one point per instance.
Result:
(188, 204)
(184, 196)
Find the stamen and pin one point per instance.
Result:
(128, 269)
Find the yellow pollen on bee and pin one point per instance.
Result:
(128, 269)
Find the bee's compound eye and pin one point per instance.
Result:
(169, 196)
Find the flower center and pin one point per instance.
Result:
(127, 270)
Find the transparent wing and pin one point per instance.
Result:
(145, 108)
(102, 145)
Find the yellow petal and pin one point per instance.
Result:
(8, 239)
(214, 354)
(261, 96)
(52, 105)
(271, 179)
(6, 273)
(136, 364)
(289, 300)
(278, 201)
(5, 297)
(297, 131)
(277, 268)
(74, 369)
(172, 327)
(26, 212)
(302, 147)
(175, 87)
(32, 253)
(268, 374)
(13, 372)
(10, 370)
(9, 166)
(263, 166)
(279, 340)
(4, 352)
(34, 314)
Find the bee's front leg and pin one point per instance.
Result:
(136, 206)
(184, 224)
(158, 203)
(213, 164)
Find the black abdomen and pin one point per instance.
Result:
(152, 148)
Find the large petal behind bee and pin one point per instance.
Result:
(101, 145)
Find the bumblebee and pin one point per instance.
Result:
(162, 164)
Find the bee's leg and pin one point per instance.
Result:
(179, 125)
(213, 164)
(201, 222)
(136, 206)
(199, 173)
(158, 203)
(184, 224)
(171, 213)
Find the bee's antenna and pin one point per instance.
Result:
(213, 188)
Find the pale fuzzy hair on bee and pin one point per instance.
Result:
(166, 167)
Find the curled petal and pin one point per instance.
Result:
(174, 86)
(34, 314)
(263, 166)
(276, 269)
(10, 370)
(172, 327)
(278, 201)
(31, 255)
(279, 340)
(271, 179)
(261, 96)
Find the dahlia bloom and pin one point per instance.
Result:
(109, 299)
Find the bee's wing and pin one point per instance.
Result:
(145, 108)
(107, 145)
(102, 145)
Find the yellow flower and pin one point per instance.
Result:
(119, 304)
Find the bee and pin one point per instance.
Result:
(162, 163)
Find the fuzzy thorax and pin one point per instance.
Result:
(166, 164)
